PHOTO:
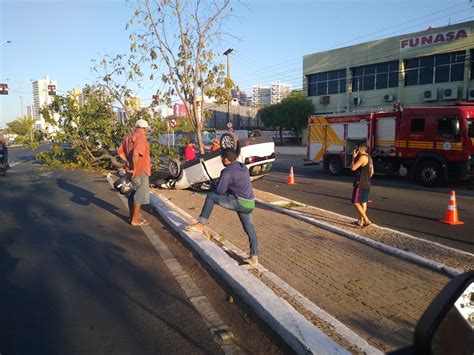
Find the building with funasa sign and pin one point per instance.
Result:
(432, 67)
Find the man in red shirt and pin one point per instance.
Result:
(215, 145)
(189, 152)
(135, 152)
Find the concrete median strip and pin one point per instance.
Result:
(283, 202)
(300, 334)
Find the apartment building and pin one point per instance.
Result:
(44, 91)
(263, 95)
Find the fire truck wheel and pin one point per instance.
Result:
(430, 173)
(334, 165)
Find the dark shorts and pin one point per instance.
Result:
(360, 195)
(141, 190)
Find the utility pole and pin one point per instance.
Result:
(21, 106)
(229, 119)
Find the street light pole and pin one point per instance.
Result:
(21, 106)
(229, 120)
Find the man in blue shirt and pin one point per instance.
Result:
(3, 153)
(234, 192)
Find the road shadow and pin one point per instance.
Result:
(84, 197)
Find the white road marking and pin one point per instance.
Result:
(220, 331)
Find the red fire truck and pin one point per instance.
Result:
(431, 143)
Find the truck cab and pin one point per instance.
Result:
(434, 143)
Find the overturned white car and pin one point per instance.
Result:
(257, 152)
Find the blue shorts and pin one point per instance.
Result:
(360, 195)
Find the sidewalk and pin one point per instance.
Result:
(378, 296)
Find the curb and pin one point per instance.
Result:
(300, 334)
(372, 243)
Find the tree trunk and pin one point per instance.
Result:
(199, 139)
(198, 121)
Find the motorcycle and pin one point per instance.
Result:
(3, 162)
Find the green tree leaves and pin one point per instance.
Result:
(174, 37)
(24, 127)
(291, 113)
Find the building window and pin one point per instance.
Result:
(375, 76)
(327, 83)
(472, 63)
(441, 68)
(417, 125)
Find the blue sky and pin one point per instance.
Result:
(59, 38)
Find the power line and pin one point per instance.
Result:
(270, 68)
(400, 79)
(376, 60)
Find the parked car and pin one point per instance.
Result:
(257, 152)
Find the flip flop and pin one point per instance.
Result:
(365, 225)
(142, 223)
(192, 228)
(356, 223)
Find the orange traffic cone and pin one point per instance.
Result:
(291, 177)
(451, 215)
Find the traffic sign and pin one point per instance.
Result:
(172, 122)
(229, 125)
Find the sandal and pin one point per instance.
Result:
(193, 228)
(358, 224)
(365, 225)
(141, 223)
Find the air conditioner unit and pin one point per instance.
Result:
(357, 101)
(470, 94)
(430, 95)
(450, 93)
(325, 100)
(388, 98)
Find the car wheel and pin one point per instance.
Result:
(229, 140)
(429, 173)
(174, 168)
(255, 133)
(334, 166)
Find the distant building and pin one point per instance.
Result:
(280, 91)
(263, 95)
(30, 111)
(165, 111)
(121, 114)
(44, 91)
(179, 110)
(240, 96)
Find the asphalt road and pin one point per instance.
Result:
(398, 203)
(76, 278)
